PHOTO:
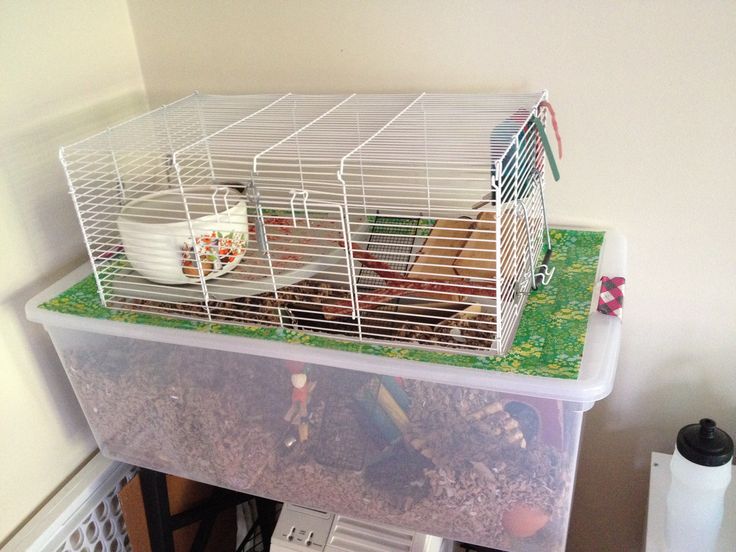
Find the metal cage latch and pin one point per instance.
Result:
(541, 275)
(254, 198)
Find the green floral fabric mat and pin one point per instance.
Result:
(549, 341)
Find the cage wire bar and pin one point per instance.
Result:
(284, 210)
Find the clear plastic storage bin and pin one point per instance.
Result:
(478, 456)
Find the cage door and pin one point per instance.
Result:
(307, 254)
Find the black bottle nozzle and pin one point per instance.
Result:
(705, 444)
(707, 428)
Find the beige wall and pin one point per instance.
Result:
(66, 69)
(645, 96)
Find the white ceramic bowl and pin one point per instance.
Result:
(158, 242)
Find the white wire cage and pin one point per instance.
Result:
(414, 219)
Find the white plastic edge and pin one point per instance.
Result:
(48, 529)
(595, 381)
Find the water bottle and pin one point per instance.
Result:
(701, 472)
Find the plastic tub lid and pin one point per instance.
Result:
(594, 381)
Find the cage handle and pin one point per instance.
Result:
(305, 197)
(547, 147)
(555, 126)
(224, 200)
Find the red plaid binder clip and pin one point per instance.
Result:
(611, 298)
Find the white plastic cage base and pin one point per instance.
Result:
(84, 516)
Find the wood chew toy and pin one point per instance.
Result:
(394, 403)
(505, 424)
(388, 414)
(389, 405)
(298, 413)
(385, 409)
(420, 445)
(477, 259)
(468, 312)
(398, 286)
(435, 260)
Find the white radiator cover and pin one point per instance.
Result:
(303, 529)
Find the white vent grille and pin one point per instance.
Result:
(103, 529)
(356, 536)
(84, 516)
